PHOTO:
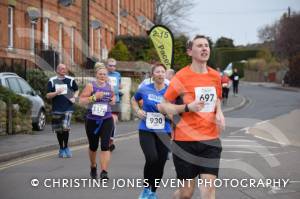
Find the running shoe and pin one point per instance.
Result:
(103, 175)
(112, 147)
(62, 153)
(68, 152)
(152, 195)
(145, 193)
(93, 172)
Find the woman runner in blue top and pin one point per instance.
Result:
(99, 97)
(154, 130)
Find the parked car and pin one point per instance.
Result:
(21, 87)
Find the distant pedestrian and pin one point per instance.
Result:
(170, 74)
(99, 97)
(225, 80)
(154, 130)
(63, 91)
(235, 81)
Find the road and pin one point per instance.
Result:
(244, 157)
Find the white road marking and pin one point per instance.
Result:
(246, 152)
(51, 153)
(270, 140)
(249, 146)
(237, 140)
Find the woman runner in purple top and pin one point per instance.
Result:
(99, 97)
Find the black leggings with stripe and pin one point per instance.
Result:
(95, 130)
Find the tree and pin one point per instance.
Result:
(120, 52)
(288, 45)
(224, 42)
(181, 58)
(172, 13)
(268, 32)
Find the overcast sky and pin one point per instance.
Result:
(236, 19)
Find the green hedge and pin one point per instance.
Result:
(223, 56)
(7, 95)
(38, 80)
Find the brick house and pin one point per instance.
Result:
(45, 32)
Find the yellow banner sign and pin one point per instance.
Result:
(163, 41)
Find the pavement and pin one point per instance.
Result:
(20, 145)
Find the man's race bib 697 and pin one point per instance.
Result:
(209, 96)
(99, 109)
(62, 86)
(236, 78)
(155, 121)
(113, 81)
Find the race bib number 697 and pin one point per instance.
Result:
(209, 96)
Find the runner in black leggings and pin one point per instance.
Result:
(154, 130)
(99, 123)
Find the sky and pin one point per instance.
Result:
(239, 20)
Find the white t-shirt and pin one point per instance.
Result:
(148, 81)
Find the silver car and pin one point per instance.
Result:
(21, 87)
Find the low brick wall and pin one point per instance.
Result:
(20, 123)
(3, 117)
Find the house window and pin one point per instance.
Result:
(111, 39)
(92, 41)
(10, 27)
(60, 41)
(72, 44)
(46, 34)
(99, 42)
(32, 37)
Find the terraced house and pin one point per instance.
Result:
(42, 33)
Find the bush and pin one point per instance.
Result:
(7, 95)
(137, 46)
(38, 80)
(21, 117)
(120, 52)
(79, 113)
(181, 58)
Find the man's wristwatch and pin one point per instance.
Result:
(186, 108)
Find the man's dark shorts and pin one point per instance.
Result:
(61, 121)
(195, 158)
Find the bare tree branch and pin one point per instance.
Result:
(172, 13)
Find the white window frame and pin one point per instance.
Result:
(46, 33)
(99, 42)
(60, 41)
(111, 39)
(92, 41)
(72, 44)
(10, 24)
(32, 38)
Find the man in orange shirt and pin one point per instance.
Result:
(198, 118)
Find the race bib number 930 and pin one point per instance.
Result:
(155, 121)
